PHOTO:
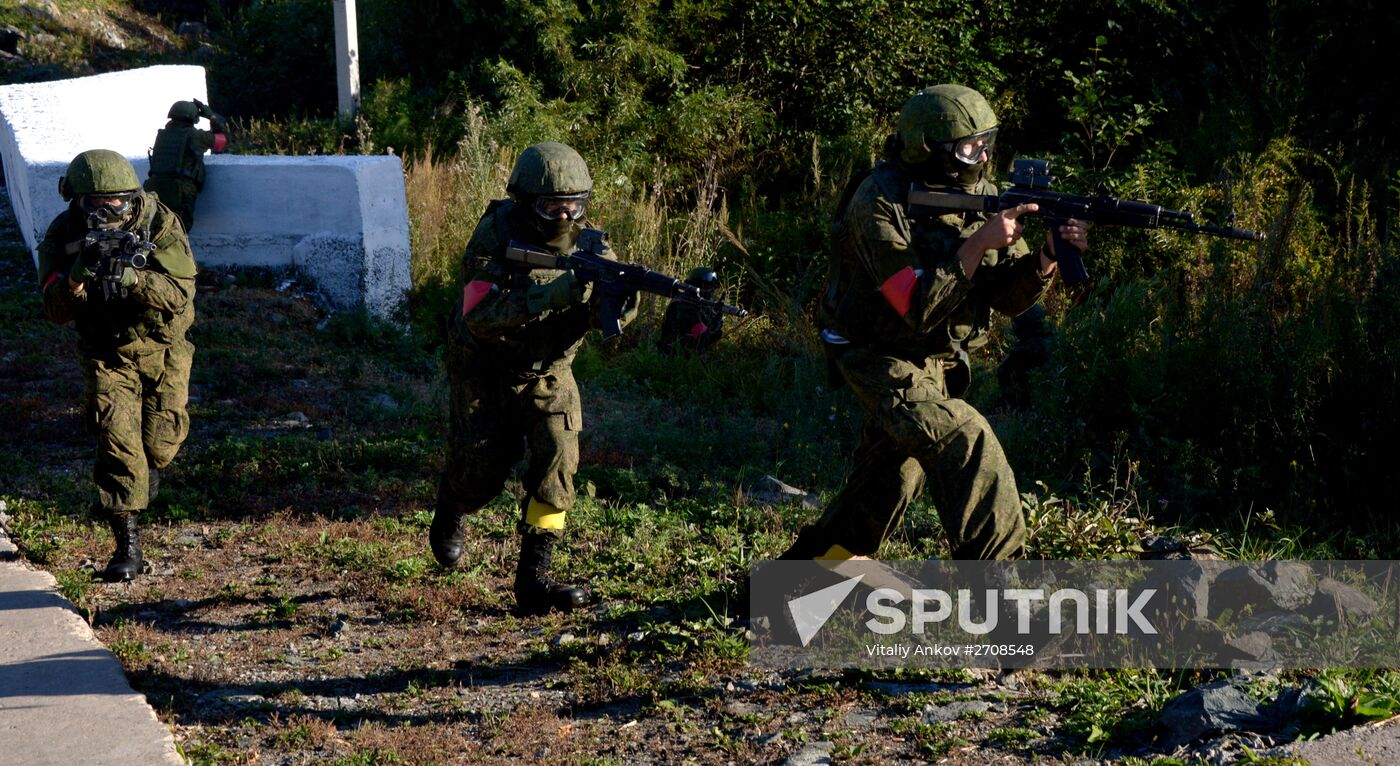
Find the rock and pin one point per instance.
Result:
(1337, 600)
(1255, 646)
(859, 719)
(811, 754)
(1284, 584)
(772, 491)
(44, 10)
(741, 709)
(954, 711)
(1210, 709)
(563, 639)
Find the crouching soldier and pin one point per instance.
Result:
(692, 326)
(116, 264)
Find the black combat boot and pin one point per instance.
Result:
(808, 545)
(126, 560)
(536, 592)
(445, 536)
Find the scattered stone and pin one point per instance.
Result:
(563, 639)
(811, 754)
(1337, 600)
(337, 628)
(770, 490)
(1255, 646)
(954, 711)
(298, 417)
(44, 10)
(1210, 709)
(742, 709)
(764, 739)
(859, 719)
(1286, 584)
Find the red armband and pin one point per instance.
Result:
(474, 293)
(54, 277)
(220, 141)
(899, 289)
(698, 329)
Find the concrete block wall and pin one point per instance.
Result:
(341, 221)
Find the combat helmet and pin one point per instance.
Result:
(187, 111)
(100, 173)
(704, 278)
(948, 119)
(553, 179)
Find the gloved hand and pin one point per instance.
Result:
(84, 267)
(563, 291)
(129, 277)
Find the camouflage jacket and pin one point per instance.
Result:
(495, 319)
(895, 283)
(179, 152)
(159, 308)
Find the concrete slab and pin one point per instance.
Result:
(340, 220)
(64, 700)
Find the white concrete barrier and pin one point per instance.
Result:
(341, 221)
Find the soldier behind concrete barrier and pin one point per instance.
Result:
(131, 315)
(690, 326)
(177, 159)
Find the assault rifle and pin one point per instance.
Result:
(116, 250)
(616, 280)
(1031, 181)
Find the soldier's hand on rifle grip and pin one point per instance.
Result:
(1001, 230)
(1072, 233)
(84, 268)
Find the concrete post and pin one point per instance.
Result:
(347, 58)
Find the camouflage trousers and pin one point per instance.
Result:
(916, 439)
(496, 417)
(178, 194)
(136, 406)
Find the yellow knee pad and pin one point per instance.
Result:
(836, 553)
(542, 515)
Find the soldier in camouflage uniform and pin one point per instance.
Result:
(132, 348)
(906, 300)
(509, 357)
(177, 159)
(691, 326)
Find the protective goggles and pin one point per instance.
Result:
(969, 149)
(109, 207)
(570, 206)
